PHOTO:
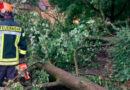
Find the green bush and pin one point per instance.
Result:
(121, 56)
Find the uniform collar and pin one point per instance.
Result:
(9, 19)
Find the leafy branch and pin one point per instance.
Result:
(92, 38)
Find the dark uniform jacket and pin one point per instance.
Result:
(12, 42)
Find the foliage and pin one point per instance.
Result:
(16, 86)
(47, 43)
(34, 2)
(121, 56)
(59, 42)
(110, 85)
(51, 43)
(111, 9)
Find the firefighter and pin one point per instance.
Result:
(12, 44)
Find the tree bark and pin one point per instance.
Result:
(66, 79)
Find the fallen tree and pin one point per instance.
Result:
(66, 79)
(62, 78)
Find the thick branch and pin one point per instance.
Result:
(51, 84)
(67, 80)
(76, 63)
(44, 85)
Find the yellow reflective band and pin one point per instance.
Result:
(16, 45)
(22, 52)
(23, 34)
(2, 46)
(17, 54)
(8, 60)
(10, 28)
(9, 63)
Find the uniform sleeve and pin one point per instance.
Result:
(22, 45)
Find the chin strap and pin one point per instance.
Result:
(6, 14)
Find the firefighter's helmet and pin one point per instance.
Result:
(6, 9)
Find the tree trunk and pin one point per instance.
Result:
(66, 79)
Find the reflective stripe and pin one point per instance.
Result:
(22, 52)
(23, 34)
(16, 45)
(11, 33)
(2, 46)
(9, 63)
(10, 28)
(9, 60)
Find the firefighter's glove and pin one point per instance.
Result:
(23, 66)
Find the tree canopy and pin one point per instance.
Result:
(110, 9)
